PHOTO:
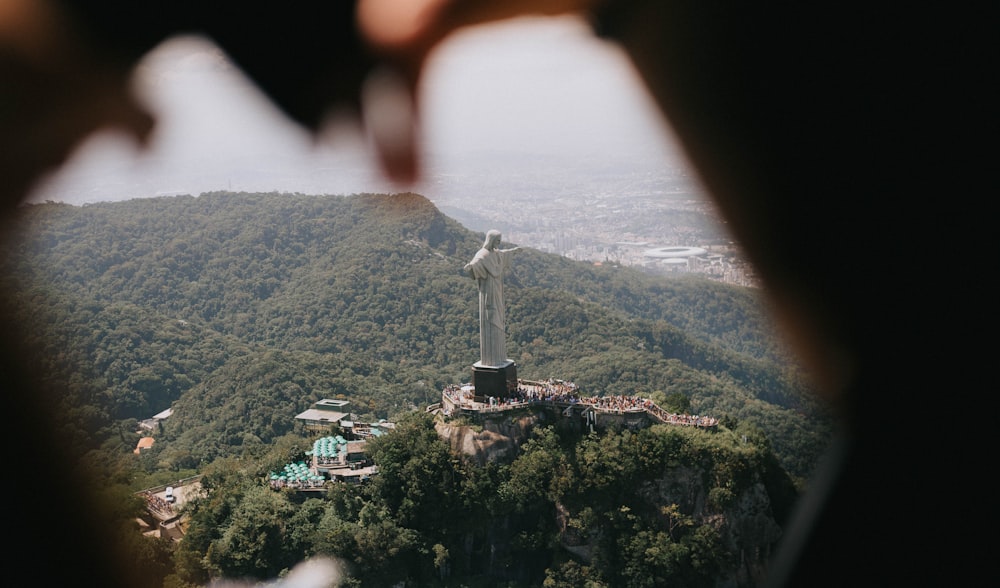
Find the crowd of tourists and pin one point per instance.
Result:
(618, 403)
(158, 504)
(562, 392)
(690, 420)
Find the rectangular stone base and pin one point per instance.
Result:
(498, 382)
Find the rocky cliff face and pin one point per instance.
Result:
(747, 524)
(745, 521)
(493, 439)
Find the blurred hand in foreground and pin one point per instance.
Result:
(55, 90)
(61, 79)
(402, 34)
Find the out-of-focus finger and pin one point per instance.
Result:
(401, 34)
(409, 29)
(54, 93)
(389, 116)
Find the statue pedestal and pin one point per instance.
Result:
(496, 381)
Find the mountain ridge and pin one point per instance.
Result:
(366, 291)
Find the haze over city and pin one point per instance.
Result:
(532, 126)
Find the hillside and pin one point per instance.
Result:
(239, 310)
(664, 505)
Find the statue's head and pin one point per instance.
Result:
(492, 239)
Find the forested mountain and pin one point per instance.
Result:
(241, 310)
(662, 506)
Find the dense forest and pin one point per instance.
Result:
(659, 506)
(240, 310)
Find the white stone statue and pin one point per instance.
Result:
(487, 268)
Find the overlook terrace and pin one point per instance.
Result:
(564, 396)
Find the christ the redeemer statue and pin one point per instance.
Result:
(487, 268)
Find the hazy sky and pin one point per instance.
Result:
(535, 86)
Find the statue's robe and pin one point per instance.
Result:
(487, 267)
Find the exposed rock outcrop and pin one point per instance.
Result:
(494, 439)
(746, 524)
(740, 511)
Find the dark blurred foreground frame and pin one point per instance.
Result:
(846, 147)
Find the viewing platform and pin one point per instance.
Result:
(564, 397)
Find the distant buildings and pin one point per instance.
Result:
(163, 508)
(146, 426)
(143, 444)
(151, 423)
(324, 414)
(336, 457)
